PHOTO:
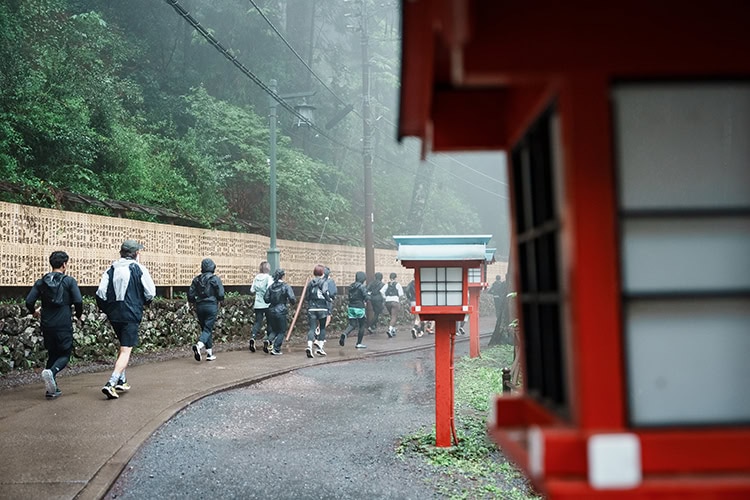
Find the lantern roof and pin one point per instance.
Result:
(442, 247)
(489, 255)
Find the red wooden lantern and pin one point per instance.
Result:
(626, 124)
(441, 279)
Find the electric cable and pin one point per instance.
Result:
(275, 30)
(218, 46)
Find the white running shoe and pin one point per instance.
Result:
(49, 381)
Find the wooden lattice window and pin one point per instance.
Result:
(537, 239)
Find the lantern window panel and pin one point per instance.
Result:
(441, 286)
(684, 247)
(662, 254)
(684, 360)
(475, 275)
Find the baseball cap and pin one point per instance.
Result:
(131, 246)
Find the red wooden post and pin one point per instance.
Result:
(443, 381)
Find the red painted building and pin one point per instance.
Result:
(627, 126)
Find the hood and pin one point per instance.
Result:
(207, 266)
(53, 282)
(360, 277)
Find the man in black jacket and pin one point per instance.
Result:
(58, 292)
(206, 293)
(377, 301)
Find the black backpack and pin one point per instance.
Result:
(275, 293)
(318, 291)
(392, 289)
(55, 295)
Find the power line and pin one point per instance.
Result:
(459, 162)
(275, 30)
(218, 46)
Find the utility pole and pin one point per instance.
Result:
(273, 251)
(367, 148)
(305, 111)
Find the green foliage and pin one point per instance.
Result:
(98, 102)
(474, 468)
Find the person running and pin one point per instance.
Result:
(392, 293)
(377, 301)
(260, 284)
(316, 295)
(206, 293)
(358, 298)
(123, 291)
(278, 295)
(331, 291)
(58, 292)
(497, 290)
(418, 327)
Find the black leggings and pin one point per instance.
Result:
(354, 323)
(59, 345)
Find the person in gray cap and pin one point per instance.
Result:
(206, 293)
(123, 290)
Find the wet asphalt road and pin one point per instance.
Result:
(318, 433)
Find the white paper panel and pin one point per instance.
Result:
(683, 145)
(427, 274)
(454, 298)
(688, 361)
(454, 274)
(429, 299)
(686, 254)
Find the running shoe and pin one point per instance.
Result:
(122, 386)
(252, 345)
(309, 353)
(266, 346)
(110, 391)
(360, 346)
(49, 381)
(342, 340)
(196, 352)
(210, 357)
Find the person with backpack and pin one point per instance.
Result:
(123, 291)
(260, 284)
(58, 292)
(392, 293)
(278, 295)
(206, 293)
(377, 301)
(331, 292)
(358, 299)
(419, 328)
(316, 295)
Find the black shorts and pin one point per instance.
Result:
(127, 333)
(58, 340)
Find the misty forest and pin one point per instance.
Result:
(129, 101)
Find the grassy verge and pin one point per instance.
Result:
(475, 468)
